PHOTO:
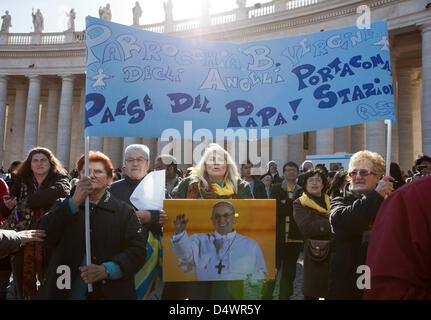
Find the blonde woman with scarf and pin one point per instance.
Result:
(311, 213)
(215, 177)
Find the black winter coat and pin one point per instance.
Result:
(313, 225)
(351, 216)
(116, 235)
(9, 242)
(259, 191)
(55, 186)
(284, 208)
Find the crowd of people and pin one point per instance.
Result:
(339, 220)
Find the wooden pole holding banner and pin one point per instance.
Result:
(87, 214)
(388, 147)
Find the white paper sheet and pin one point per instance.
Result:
(150, 192)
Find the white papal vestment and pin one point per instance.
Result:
(241, 257)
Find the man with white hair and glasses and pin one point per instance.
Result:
(136, 165)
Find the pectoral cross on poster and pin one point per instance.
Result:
(219, 267)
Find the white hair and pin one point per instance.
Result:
(231, 174)
(140, 147)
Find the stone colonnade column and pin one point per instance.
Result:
(405, 116)
(18, 128)
(342, 139)
(65, 120)
(128, 141)
(74, 134)
(426, 89)
(395, 136)
(80, 139)
(31, 115)
(311, 142)
(357, 133)
(279, 152)
(417, 114)
(114, 150)
(325, 141)
(3, 96)
(376, 137)
(42, 122)
(52, 117)
(151, 143)
(376, 131)
(8, 132)
(264, 156)
(96, 144)
(295, 149)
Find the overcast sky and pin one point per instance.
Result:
(55, 19)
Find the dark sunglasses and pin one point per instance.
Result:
(361, 172)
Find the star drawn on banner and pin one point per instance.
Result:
(384, 43)
(100, 77)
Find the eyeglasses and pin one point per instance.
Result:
(97, 173)
(225, 216)
(41, 160)
(361, 172)
(137, 160)
(312, 180)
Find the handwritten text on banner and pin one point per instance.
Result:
(140, 83)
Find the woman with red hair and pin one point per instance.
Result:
(117, 239)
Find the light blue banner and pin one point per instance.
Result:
(140, 83)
